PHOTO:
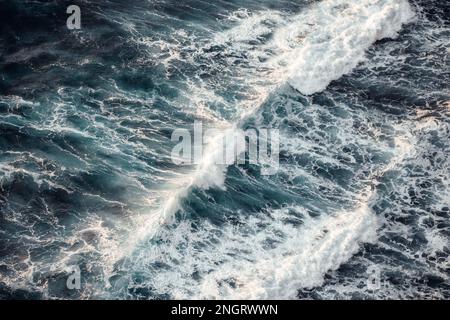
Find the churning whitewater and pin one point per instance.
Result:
(358, 91)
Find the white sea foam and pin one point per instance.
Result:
(301, 261)
(330, 38)
(264, 257)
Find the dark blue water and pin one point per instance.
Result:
(87, 179)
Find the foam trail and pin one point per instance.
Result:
(334, 36)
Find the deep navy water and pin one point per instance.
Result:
(359, 91)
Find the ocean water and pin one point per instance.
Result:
(359, 91)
